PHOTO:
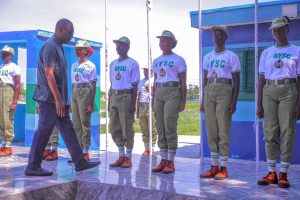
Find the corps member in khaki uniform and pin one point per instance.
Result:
(169, 99)
(143, 113)
(84, 78)
(124, 78)
(221, 70)
(278, 100)
(10, 75)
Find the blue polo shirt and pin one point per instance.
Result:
(52, 55)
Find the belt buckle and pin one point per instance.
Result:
(215, 80)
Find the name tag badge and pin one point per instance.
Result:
(162, 72)
(76, 77)
(118, 76)
(278, 64)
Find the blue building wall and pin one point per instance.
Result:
(239, 20)
(26, 115)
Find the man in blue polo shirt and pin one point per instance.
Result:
(51, 93)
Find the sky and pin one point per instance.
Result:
(124, 17)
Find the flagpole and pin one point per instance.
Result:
(256, 80)
(106, 76)
(200, 77)
(149, 5)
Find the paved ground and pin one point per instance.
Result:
(188, 146)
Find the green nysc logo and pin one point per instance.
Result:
(165, 64)
(120, 68)
(217, 63)
(4, 72)
(79, 70)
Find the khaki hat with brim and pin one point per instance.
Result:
(82, 44)
(123, 39)
(221, 28)
(279, 22)
(145, 67)
(168, 34)
(8, 49)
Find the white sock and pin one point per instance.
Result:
(48, 148)
(284, 166)
(8, 144)
(121, 151)
(224, 160)
(171, 155)
(271, 165)
(128, 153)
(147, 148)
(164, 154)
(85, 151)
(53, 148)
(214, 159)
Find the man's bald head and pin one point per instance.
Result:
(64, 30)
(62, 23)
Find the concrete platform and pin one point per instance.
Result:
(137, 182)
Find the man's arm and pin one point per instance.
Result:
(60, 108)
(203, 93)
(17, 82)
(134, 96)
(138, 105)
(90, 107)
(297, 108)
(261, 84)
(235, 92)
(183, 89)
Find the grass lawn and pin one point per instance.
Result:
(188, 123)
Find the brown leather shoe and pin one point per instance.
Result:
(161, 166)
(52, 156)
(210, 173)
(271, 178)
(7, 151)
(222, 174)
(86, 156)
(118, 162)
(46, 154)
(127, 163)
(170, 168)
(283, 181)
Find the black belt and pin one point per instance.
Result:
(80, 85)
(287, 81)
(219, 81)
(167, 84)
(127, 91)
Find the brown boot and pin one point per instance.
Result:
(7, 151)
(222, 174)
(46, 154)
(161, 166)
(52, 156)
(271, 178)
(146, 153)
(86, 156)
(210, 173)
(170, 168)
(127, 163)
(118, 162)
(283, 181)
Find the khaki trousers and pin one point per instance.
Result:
(217, 100)
(279, 102)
